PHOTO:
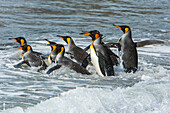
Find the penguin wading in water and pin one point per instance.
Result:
(110, 58)
(97, 60)
(53, 54)
(30, 58)
(128, 48)
(61, 60)
(76, 52)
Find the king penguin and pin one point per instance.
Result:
(61, 60)
(30, 58)
(22, 41)
(97, 60)
(78, 53)
(128, 48)
(111, 59)
(53, 54)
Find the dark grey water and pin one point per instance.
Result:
(40, 19)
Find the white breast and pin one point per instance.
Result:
(95, 62)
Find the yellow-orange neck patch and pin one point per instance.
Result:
(54, 47)
(49, 58)
(62, 49)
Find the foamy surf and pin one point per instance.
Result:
(151, 94)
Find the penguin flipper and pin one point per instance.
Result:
(112, 44)
(44, 56)
(19, 64)
(53, 68)
(86, 61)
(113, 56)
(85, 49)
(37, 53)
(109, 69)
(148, 42)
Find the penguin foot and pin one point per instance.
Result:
(129, 70)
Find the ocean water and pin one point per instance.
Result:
(24, 90)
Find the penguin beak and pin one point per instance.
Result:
(12, 39)
(117, 26)
(48, 44)
(48, 41)
(60, 37)
(85, 33)
(18, 47)
(65, 38)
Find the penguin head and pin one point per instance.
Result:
(60, 49)
(25, 48)
(20, 40)
(95, 34)
(57, 48)
(50, 42)
(124, 28)
(67, 39)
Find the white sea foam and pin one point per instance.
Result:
(151, 94)
(140, 98)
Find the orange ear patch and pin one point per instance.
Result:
(22, 42)
(54, 47)
(68, 40)
(126, 30)
(96, 36)
(28, 48)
